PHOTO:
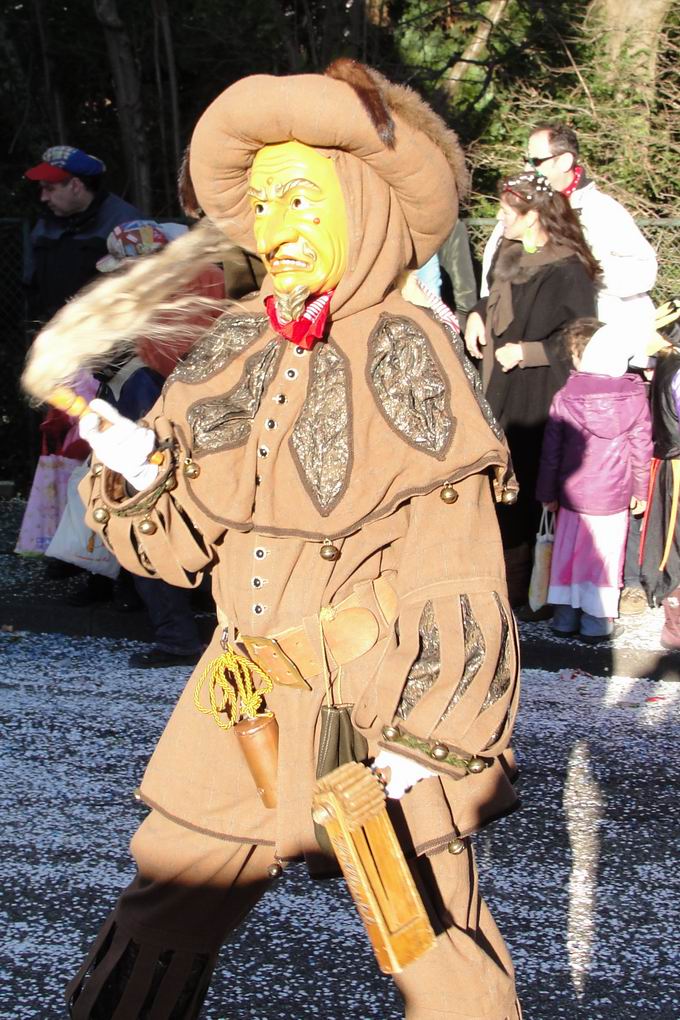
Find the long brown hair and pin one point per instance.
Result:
(528, 191)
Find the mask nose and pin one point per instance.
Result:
(275, 232)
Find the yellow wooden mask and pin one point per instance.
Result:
(300, 217)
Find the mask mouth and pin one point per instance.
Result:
(284, 262)
(289, 258)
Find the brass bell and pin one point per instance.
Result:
(329, 551)
(101, 515)
(448, 494)
(191, 469)
(476, 765)
(147, 527)
(439, 752)
(97, 469)
(456, 846)
(275, 871)
(390, 732)
(509, 497)
(170, 483)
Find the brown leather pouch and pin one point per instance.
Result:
(339, 743)
(259, 741)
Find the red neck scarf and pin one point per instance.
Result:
(310, 327)
(575, 181)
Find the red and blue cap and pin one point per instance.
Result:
(61, 162)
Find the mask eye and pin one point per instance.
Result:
(298, 203)
(259, 208)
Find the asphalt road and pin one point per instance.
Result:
(582, 880)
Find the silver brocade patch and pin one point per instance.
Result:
(230, 335)
(321, 440)
(425, 670)
(502, 676)
(475, 650)
(410, 388)
(226, 420)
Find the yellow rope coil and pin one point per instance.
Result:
(231, 689)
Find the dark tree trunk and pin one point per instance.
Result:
(163, 17)
(53, 99)
(128, 100)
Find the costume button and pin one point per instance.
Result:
(260, 553)
(280, 398)
(258, 480)
(263, 451)
(257, 582)
(275, 871)
(439, 752)
(101, 515)
(456, 846)
(390, 733)
(300, 351)
(258, 609)
(291, 373)
(270, 424)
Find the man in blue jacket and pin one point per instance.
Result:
(71, 235)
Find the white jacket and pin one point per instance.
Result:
(627, 259)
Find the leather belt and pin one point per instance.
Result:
(350, 629)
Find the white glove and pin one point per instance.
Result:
(123, 446)
(404, 773)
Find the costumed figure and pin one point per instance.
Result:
(660, 542)
(326, 456)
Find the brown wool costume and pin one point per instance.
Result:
(350, 443)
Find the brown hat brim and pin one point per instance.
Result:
(325, 113)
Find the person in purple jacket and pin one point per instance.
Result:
(594, 470)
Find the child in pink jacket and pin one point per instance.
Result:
(594, 470)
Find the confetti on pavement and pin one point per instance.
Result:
(580, 880)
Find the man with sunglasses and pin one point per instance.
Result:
(627, 259)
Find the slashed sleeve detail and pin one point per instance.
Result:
(425, 669)
(448, 688)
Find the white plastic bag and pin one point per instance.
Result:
(74, 542)
(540, 572)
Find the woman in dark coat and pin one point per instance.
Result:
(543, 276)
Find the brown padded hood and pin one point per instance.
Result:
(401, 169)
